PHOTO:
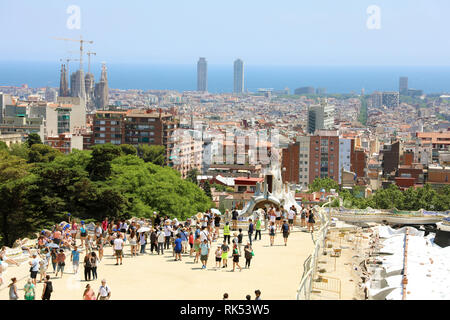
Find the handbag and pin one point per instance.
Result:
(253, 254)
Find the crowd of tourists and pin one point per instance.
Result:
(193, 238)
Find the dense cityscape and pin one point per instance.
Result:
(349, 192)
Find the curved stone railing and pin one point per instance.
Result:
(310, 264)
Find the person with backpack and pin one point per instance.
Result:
(87, 267)
(285, 229)
(47, 289)
(104, 293)
(236, 258)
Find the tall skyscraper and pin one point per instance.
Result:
(320, 117)
(89, 82)
(63, 82)
(101, 90)
(77, 86)
(238, 76)
(202, 75)
(403, 85)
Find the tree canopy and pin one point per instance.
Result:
(38, 186)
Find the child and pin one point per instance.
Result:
(218, 256)
(272, 232)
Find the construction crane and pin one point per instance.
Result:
(67, 63)
(81, 41)
(89, 53)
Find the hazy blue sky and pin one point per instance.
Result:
(261, 32)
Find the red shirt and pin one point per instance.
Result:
(104, 225)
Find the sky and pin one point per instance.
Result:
(261, 32)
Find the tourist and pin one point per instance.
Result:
(272, 231)
(258, 295)
(4, 258)
(30, 290)
(197, 245)
(54, 256)
(266, 219)
(178, 248)
(225, 249)
(75, 258)
(61, 262)
(88, 293)
(13, 290)
(83, 235)
(133, 243)
(104, 293)
(278, 217)
(153, 241)
(250, 230)
(105, 225)
(157, 220)
(100, 242)
(94, 264)
(74, 231)
(240, 239)
(161, 239)
(87, 267)
(291, 216)
(217, 227)
(311, 221)
(204, 234)
(248, 253)
(204, 252)
(226, 232)
(47, 289)
(285, 229)
(235, 237)
(303, 218)
(258, 228)
(167, 234)
(236, 258)
(234, 218)
(118, 248)
(225, 296)
(43, 264)
(272, 215)
(34, 267)
(142, 241)
(218, 254)
(191, 243)
(98, 231)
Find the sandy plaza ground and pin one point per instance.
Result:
(276, 271)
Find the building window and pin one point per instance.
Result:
(102, 129)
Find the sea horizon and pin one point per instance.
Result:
(183, 77)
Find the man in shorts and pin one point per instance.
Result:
(285, 229)
(291, 216)
(34, 268)
(234, 219)
(204, 252)
(118, 248)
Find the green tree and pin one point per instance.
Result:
(192, 175)
(99, 166)
(42, 153)
(33, 138)
(323, 183)
(128, 149)
(152, 153)
(207, 188)
(19, 150)
(16, 218)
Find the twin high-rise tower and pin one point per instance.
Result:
(202, 76)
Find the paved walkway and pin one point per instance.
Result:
(276, 271)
